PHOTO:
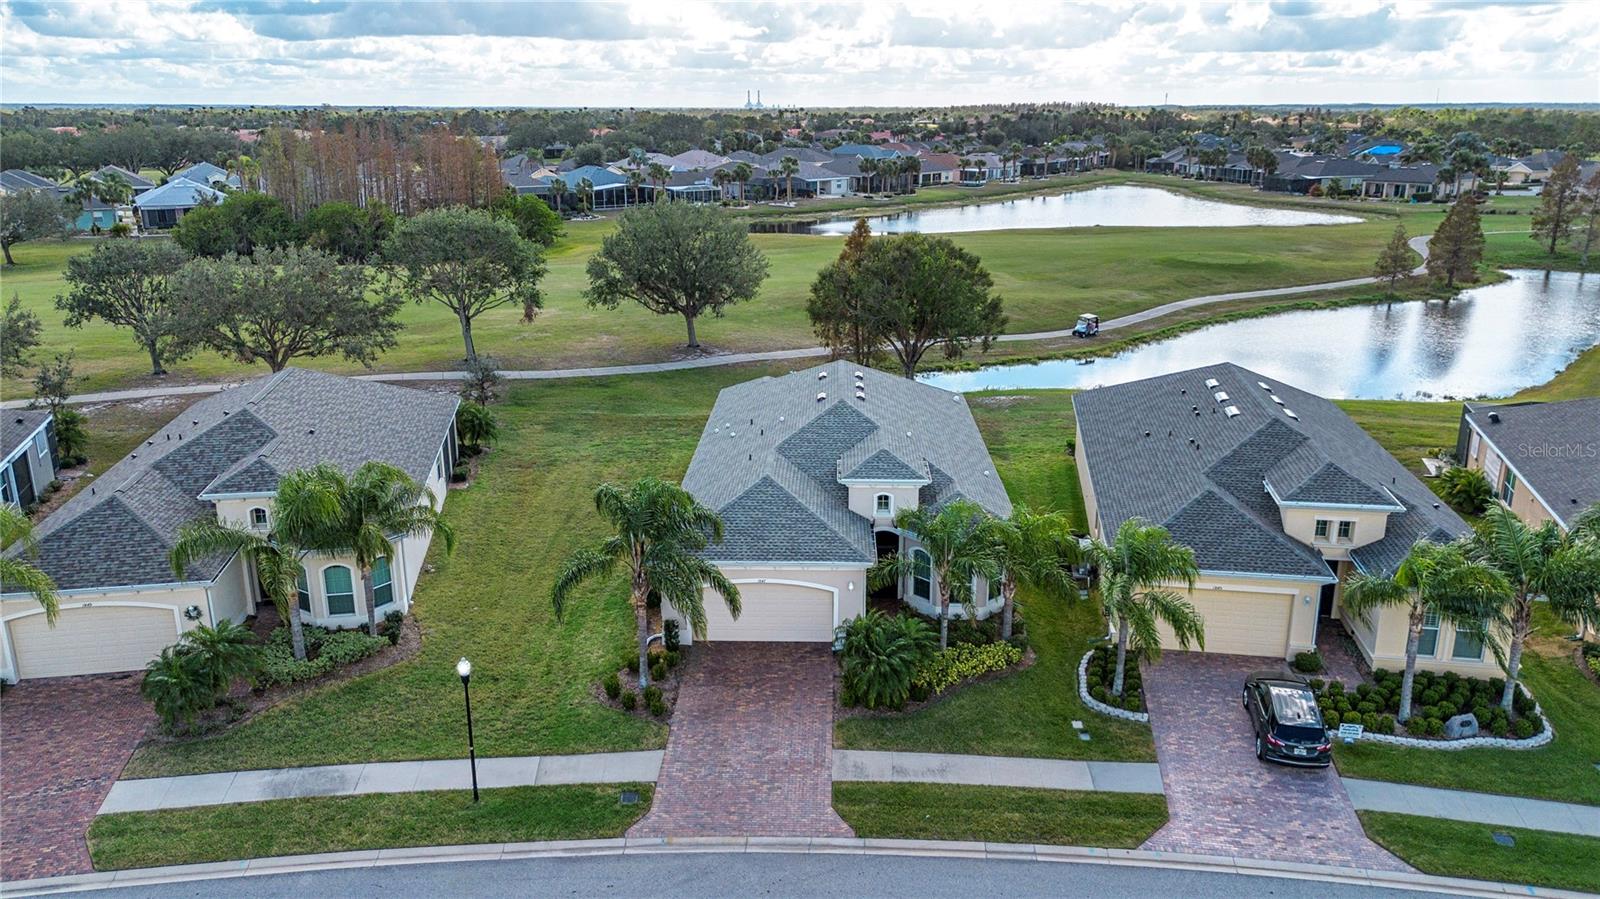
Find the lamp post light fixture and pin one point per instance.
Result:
(464, 668)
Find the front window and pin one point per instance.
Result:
(382, 584)
(1428, 644)
(258, 517)
(1468, 647)
(884, 504)
(921, 574)
(1347, 530)
(1508, 490)
(302, 590)
(1322, 529)
(339, 589)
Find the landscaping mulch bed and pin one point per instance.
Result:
(1582, 661)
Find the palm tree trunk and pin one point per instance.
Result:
(297, 633)
(1413, 640)
(944, 616)
(1122, 656)
(1008, 590)
(641, 614)
(1519, 633)
(366, 595)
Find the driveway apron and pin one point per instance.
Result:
(63, 741)
(751, 748)
(1221, 799)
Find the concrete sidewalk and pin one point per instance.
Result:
(378, 777)
(996, 771)
(1482, 808)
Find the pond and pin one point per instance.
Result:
(1118, 205)
(1490, 341)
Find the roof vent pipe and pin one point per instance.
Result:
(822, 376)
(822, 395)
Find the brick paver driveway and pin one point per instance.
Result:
(63, 741)
(751, 750)
(1222, 801)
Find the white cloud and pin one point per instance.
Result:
(705, 53)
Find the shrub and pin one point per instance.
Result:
(960, 662)
(279, 666)
(1350, 718)
(1100, 692)
(632, 663)
(658, 707)
(672, 657)
(630, 700)
(391, 626)
(120, 229)
(1499, 726)
(1369, 720)
(1384, 725)
(1308, 662)
(1335, 688)
(671, 637)
(612, 685)
(1525, 728)
(1317, 684)
(658, 671)
(881, 657)
(652, 693)
(1366, 708)
(345, 647)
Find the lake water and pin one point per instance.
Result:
(1119, 205)
(1490, 341)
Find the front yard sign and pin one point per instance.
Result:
(1350, 733)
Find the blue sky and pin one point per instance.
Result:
(924, 53)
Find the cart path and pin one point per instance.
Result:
(1419, 244)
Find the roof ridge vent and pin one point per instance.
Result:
(822, 376)
(822, 395)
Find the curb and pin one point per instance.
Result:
(1024, 852)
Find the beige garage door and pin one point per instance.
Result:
(786, 613)
(1238, 623)
(91, 640)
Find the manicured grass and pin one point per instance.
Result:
(1028, 713)
(531, 506)
(1580, 379)
(999, 814)
(1046, 277)
(375, 821)
(1407, 430)
(1462, 849)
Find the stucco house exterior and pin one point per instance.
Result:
(1280, 495)
(808, 471)
(163, 206)
(28, 442)
(107, 547)
(1541, 459)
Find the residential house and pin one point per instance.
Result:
(695, 160)
(208, 174)
(138, 182)
(938, 168)
(1542, 459)
(1298, 173)
(28, 440)
(165, 205)
(808, 471)
(91, 213)
(1539, 165)
(17, 180)
(1401, 182)
(107, 547)
(1280, 495)
(981, 168)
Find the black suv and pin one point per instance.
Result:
(1288, 725)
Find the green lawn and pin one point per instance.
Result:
(1461, 849)
(999, 814)
(375, 821)
(1046, 277)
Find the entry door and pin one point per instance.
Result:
(22, 477)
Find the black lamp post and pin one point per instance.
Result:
(464, 668)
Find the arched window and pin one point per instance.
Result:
(921, 574)
(339, 589)
(884, 504)
(258, 518)
(382, 584)
(302, 589)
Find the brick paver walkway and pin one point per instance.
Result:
(63, 741)
(1221, 800)
(751, 750)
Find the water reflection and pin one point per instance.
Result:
(1489, 341)
(1117, 205)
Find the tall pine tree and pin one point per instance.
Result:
(1456, 248)
(1394, 262)
(836, 307)
(1558, 205)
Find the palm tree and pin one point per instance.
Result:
(635, 181)
(586, 195)
(17, 575)
(788, 167)
(658, 531)
(1540, 563)
(742, 173)
(959, 547)
(358, 515)
(659, 176)
(1035, 549)
(558, 189)
(277, 561)
(1140, 559)
(1433, 578)
(869, 167)
(720, 178)
(911, 166)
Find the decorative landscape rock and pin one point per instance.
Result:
(1461, 726)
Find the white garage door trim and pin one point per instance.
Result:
(833, 592)
(14, 672)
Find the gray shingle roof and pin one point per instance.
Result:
(772, 436)
(243, 440)
(1162, 449)
(1552, 446)
(17, 425)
